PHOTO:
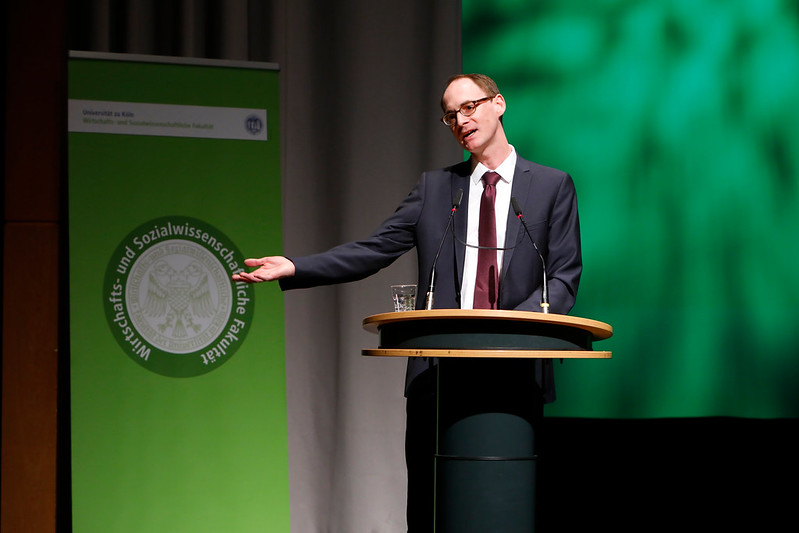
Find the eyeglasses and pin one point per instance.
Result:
(467, 110)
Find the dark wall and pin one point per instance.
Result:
(32, 273)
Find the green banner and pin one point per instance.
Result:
(677, 121)
(178, 406)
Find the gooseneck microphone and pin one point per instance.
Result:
(545, 289)
(428, 302)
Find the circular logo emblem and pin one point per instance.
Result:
(254, 124)
(170, 300)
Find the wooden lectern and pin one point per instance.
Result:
(488, 403)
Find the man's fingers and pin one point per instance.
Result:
(244, 276)
(255, 262)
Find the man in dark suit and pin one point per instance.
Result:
(473, 110)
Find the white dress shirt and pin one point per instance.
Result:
(501, 207)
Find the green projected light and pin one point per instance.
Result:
(678, 121)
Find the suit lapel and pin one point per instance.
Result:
(460, 180)
(522, 178)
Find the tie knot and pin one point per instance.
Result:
(490, 178)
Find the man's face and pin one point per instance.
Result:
(477, 132)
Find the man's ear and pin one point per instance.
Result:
(499, 101)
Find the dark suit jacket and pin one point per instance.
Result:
(549, 205)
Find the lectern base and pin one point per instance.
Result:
(486, 495)
(488, 413)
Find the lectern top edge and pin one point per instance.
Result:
(599, 330)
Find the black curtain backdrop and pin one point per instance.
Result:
(361, 80)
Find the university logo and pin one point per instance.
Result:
(170, 300)
(254, 124)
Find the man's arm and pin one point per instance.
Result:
(347, 262)
(563, 254)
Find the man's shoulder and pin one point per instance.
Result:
(537, 168)
(462, 169)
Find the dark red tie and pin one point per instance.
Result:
(486, 286)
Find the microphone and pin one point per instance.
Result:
(545, 289)
(428, 302)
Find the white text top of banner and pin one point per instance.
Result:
(165, 120)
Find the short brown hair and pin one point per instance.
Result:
(488, 85)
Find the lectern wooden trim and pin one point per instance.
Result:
(493, 354)
(488, 406)
(466, 333)
(599, 330)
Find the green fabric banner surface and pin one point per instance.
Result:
(677, 121)
(178, 406)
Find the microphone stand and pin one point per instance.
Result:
(428, 302)
(545, 288)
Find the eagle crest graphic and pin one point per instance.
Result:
(177, 298)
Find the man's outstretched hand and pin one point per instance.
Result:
(269, 269)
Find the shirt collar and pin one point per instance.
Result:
(505, 169)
